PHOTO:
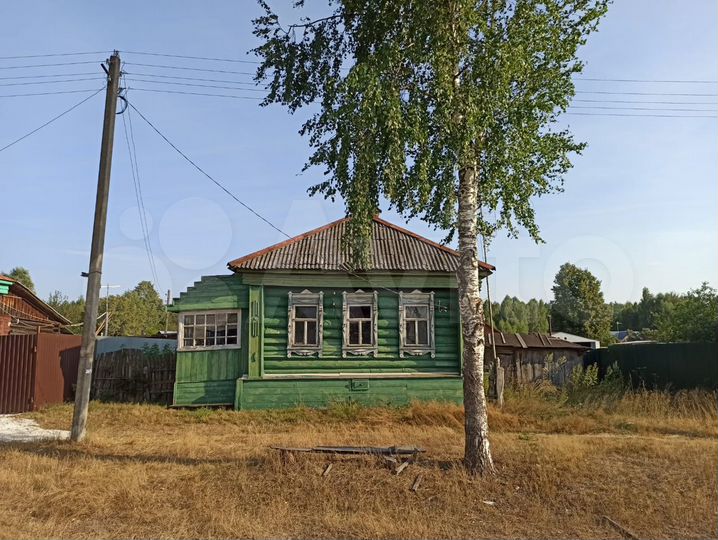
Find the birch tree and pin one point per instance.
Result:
(447, 110)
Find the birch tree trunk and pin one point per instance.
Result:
(477, 454)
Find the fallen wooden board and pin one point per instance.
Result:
(620, 528)
(353, 450)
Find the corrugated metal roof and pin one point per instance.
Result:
(394, 249)
(533, 340)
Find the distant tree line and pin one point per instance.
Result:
(578, 307)
(136, 312)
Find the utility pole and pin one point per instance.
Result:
(92, 298)
(167, 313)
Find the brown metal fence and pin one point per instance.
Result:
(134, 376)
(37, 370)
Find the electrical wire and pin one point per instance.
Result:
(201, 79)
(642, 115)
(164, 66)
(646, 102)
(134, 169)
(193, 93)
(218, 184)
(193, 57)
(47, 93)
(52, 54)
(640, 108)
(197, 85)
(52, 75)
(595, 79)
(52, 120)
(642, 93)
(53, 65)
(52, 82)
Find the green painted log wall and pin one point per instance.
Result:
(279, 394)
(446, 323)
(208, 377)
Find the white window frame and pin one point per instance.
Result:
(422, 299)
(360, 298)
(180, 330)
(310, 299)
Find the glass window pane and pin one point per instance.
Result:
(209, 332)
(188, 319)
(199, 342)
(199, 331)
(360, 312)
(189, 332)
(209, 319)
(232, 340)
(417, 312)
(219, 340)
(231, 331)
(305, 312)
(221, 319)
(366, 332)
(220, 332)
(423, 332)
(410, 333)
(231, 318)
(187, 342)
(311, 332)
(199, 319)
(209, 342)
(299, 333)
(354, 333)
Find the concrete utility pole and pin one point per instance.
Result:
(92, 299)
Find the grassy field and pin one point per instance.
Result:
(648, 461)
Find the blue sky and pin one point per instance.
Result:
(639, 207)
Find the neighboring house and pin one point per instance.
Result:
(578, 340)
(296, 325)
(22, 312)
(531, 357)
(620, 335)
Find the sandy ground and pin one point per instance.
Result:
(15, 429)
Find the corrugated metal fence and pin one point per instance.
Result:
(661, 365)
(37, 370)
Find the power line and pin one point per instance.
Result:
(641, 93)
(52, 82)
(49, 55)
(51, 120)
(194, 57)
(218, 184)
(53, 75)
(642, 115)
(53, 65)
(193, 93)
(646, 102)
(639, 108)
(678, 81)
(47, 93)
(134, 169)
(164, 66)
(201, 79)
(199, 85)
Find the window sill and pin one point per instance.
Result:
(212, 348)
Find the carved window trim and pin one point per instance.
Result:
(305, 298)
(416, 298)
(360, 298)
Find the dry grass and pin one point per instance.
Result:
(646, 460)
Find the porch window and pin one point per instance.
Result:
(360, 323)
(416, 318)
(305, 318)
(209, 330)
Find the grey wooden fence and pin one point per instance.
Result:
(134, 376)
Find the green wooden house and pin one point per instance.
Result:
(295, 325)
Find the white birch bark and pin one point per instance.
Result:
(477, 453)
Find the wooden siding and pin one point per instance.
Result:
(387, 360)
(278, 394)
(213, 292)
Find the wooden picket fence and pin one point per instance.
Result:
(134, 376)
